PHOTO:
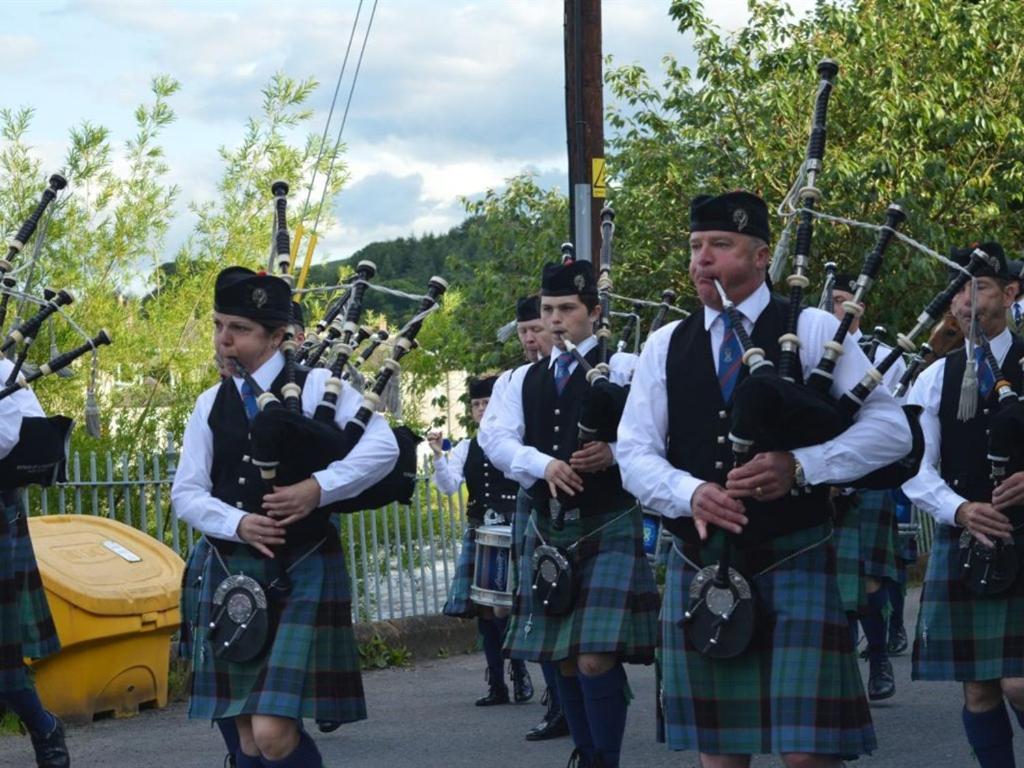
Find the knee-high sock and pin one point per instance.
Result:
(550, 671)
(604, 697)
(229, 731)
(571, 695)
(492, 630)
(305, 755)
(27, 706)
(990, 736)
(874, 625)
(896, 599)
(243, 760)
(851, 619)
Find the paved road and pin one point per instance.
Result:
(424, 717)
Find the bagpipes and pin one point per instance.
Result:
(40, 455)
(993, 570)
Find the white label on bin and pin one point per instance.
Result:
(121, 551)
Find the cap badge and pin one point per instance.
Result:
(740, 219)
(580, 282)
(259, 297)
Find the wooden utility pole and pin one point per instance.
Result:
(584, 122)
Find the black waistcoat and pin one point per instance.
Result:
(964, 445)
(698, 428)
(488, 487)
(551, 427)
(235, 480)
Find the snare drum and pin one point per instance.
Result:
(491, 572)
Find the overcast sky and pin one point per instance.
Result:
(454, 95)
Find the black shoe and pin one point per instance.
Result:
(229, 761)
(327, 726)
(553, 726)
(897, 640)
(522, 685)
(881, 683)
(51, 749)
(577, 760)
(497, 694)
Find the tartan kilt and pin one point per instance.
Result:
(520, 527)
(191, 594)
(961, 636)
(26, 626)
(866, 545)
(458, 604)
(311, 669)
(617, 603)
(796, 689)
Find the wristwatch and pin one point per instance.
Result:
(799, 479)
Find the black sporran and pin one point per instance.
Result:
(240, 626)
(554, 580)
(987, 570)
(722, 613)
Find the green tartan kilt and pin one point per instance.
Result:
(458, 604)
(616, 607)
(311, 669)
(26, 626)
(520, 527)
(961, 636)
(866, 544)
(796, 689)
(191, 595)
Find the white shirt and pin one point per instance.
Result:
(878, 436)
(450, 468)
(13, 408)
(371, 459)
(503, 428)
(927, 489)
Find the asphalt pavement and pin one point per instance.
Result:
(424, 716)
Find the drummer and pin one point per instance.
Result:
(492, 501)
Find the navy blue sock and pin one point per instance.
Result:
(229, 731)
(305, 755)
(243, 760)
(571, 695)
(491, 632)
(27, 706)
(550, 671)
(874, 626)
(851, 619)
(896, 598)
(990, 736)
(604, 697)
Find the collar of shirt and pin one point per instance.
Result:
(265, 374)
(751, 308)
(584, 347)
(1000, 345)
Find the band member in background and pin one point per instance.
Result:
(492, 501)
(961, 635)
(535, 340)
(579, 507)
(1015, 314)
(26, 626)
(866, 537)
(309, 666)
(796, 689)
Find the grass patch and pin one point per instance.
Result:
(10, 725)
(375, 653)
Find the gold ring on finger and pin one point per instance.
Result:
(758, 491)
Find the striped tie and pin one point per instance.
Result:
(249, 401)
(562, 363)
(986, 379)
(730, 359)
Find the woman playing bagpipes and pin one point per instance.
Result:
(273, 643)
(792, 686)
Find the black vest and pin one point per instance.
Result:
(551, 427)
(698, 428)
(488, 487)
(235, 480)
(964, 456)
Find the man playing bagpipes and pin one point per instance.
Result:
(26, 626)
(793, 687)
(866, 536)
(971, 623)
(535, 339)
(273, 643)
(492, 501)
(586, 596)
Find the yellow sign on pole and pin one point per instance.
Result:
(600, 185)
